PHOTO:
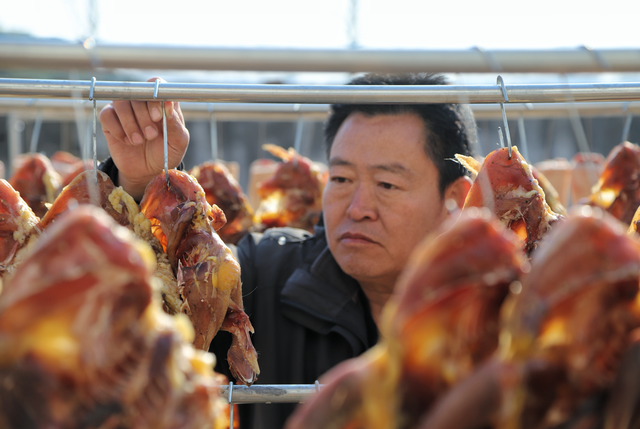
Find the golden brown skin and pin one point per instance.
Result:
(634, 225)
(224, 191)
(83, 342)
(551, 196)
(78, 192)
(124, 210)
(208, 275)
(293, 195)
(441, 323)
(19, 229)
(65, 164)
(563, 336)
(37, 182)
(618, 189)
(507, 188)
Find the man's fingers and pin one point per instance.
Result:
(178, 111)
(155, 110)
(129, 123)
(145, 122)
(111, 124)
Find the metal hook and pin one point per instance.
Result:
(600, 59)
(504, 114)
(230, 405)
(164, 134)
(35, 134)
(490, 59)
(213, 131)
(627, 127)
(298, 138)
(523, 138)
(95, 121)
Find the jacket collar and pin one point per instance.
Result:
(321, 297)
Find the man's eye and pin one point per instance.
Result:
(338, 179)
(386, 185)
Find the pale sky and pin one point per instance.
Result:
(393, 24)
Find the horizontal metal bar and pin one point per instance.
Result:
(475, 60)
(60, 109)
(270, 393)
(319, 94)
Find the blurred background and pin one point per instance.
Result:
(292, 28)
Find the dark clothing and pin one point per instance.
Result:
(307, 313)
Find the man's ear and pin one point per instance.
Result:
(458, 190)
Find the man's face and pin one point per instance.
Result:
(382, 197)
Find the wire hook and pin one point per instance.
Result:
(95, 122)
(213, 132)
(627, 127)
(504, 115)
(230, 405)
(164, 134)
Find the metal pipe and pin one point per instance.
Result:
(60, 109)
(314, 94)
(474, 60)
(269, 393)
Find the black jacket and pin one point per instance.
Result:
(307, 313)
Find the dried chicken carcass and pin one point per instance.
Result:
(551, 196)
(505, 184)
(84, 343)
(440, 324)
(224, 191)
(562, 337)
(19, 229)
(586, 169)
(634, 226)
(65, 162)
(124, 210)
(38, 183)
(618, 188)
(293, 195)
(558, 171)
(83, 166)
(208, 274)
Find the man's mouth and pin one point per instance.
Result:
(355, 238)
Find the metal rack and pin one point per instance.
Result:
(623, 94)
(319, 94)
(61, 109)
(476, 60)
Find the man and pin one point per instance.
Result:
(316, 300)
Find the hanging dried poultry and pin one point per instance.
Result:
(562, 337)
(224, 191)
(37, 182)
(586, 169)
(618, 188)
(440, 324)
(293, 195)
(84, 344)
(19, 229)
(505, 184)
(208, 275)
(65, 162)
(124, 210)
(83, 166)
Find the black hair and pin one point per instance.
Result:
(446, 133)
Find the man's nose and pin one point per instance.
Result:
(363, 204)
